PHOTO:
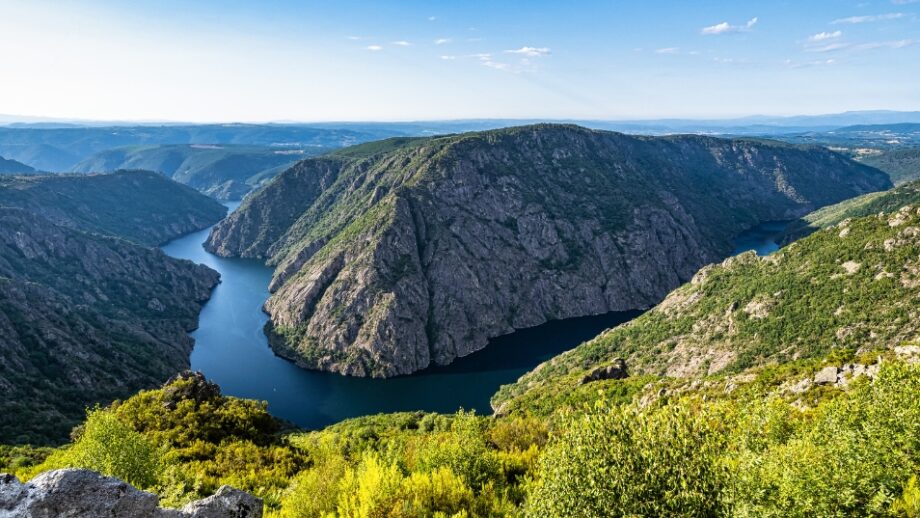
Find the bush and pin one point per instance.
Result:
(627, 462)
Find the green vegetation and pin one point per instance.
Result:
(222, 171)
(850, 287)
(902, 165)
(139, 206)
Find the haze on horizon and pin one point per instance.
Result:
(282, 60)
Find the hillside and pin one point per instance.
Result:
(865, 205)
(853, 287)
(223, 171)
(398, 255)
(85, 319)
(902, 165)
(8, 166)
(140, 206)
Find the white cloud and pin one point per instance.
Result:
(874, 45)
(727, 28)
(374, 48)
(809, 64)
(668, 50)
(354, 38)
(904, 2)
(402, 43)
(824, 36)
(432, 18)
(495, 65)
(533, 52)
(868, 18)
(442, 41)
(448, 58)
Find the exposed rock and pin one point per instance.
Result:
(851, 267)
(826, 376)
(617, 370)
(78, 493)
(387, 262)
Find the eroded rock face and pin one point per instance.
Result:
(419, 255)
(78, 493)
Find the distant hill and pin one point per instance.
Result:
(139, 206)
(57, 149)
(902, 165)
(226, 172)
(396, 255)
(14, 167)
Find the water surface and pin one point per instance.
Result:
(231, 349)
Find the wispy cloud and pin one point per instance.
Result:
(809, 64)
(859, 47)
(668, 50)
(402, 43)
(448, 58)
(442, 41)
(824, 36)
(904, 2)
(532, 52)
(727, 28)
(868, 18)
(354, 38)
(374, 48)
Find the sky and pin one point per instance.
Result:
(275, 60)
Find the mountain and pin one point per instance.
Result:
(850, 287)
(394, 256)
(14, 167)
(140, 206)
(85, 319)
(221, 171)
(902, 165)
(58, 149)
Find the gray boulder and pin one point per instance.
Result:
(826, 376)
(80, 493)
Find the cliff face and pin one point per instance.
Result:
(391, 259)
(85, 319)
(140, 206)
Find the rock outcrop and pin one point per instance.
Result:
(78, 493)
(390, 258)
(615, 371)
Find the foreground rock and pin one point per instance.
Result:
(397, 255)
(78, 493)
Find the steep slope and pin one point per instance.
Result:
(865, 205)
(8, 166)
(140, 206)
(85, 319)
(221, 171)
(390, 261)
(854, 287)
(902, 165)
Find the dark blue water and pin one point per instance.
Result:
(231, 349)
(762, 239)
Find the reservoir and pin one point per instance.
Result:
(231, 350)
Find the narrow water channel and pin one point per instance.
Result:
(231, 349)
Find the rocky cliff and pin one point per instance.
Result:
(140, 206)
(85, 319)
(393, 256)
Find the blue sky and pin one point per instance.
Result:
(411, 60)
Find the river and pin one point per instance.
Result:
(231, 350)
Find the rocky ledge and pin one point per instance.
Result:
(79, 493)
